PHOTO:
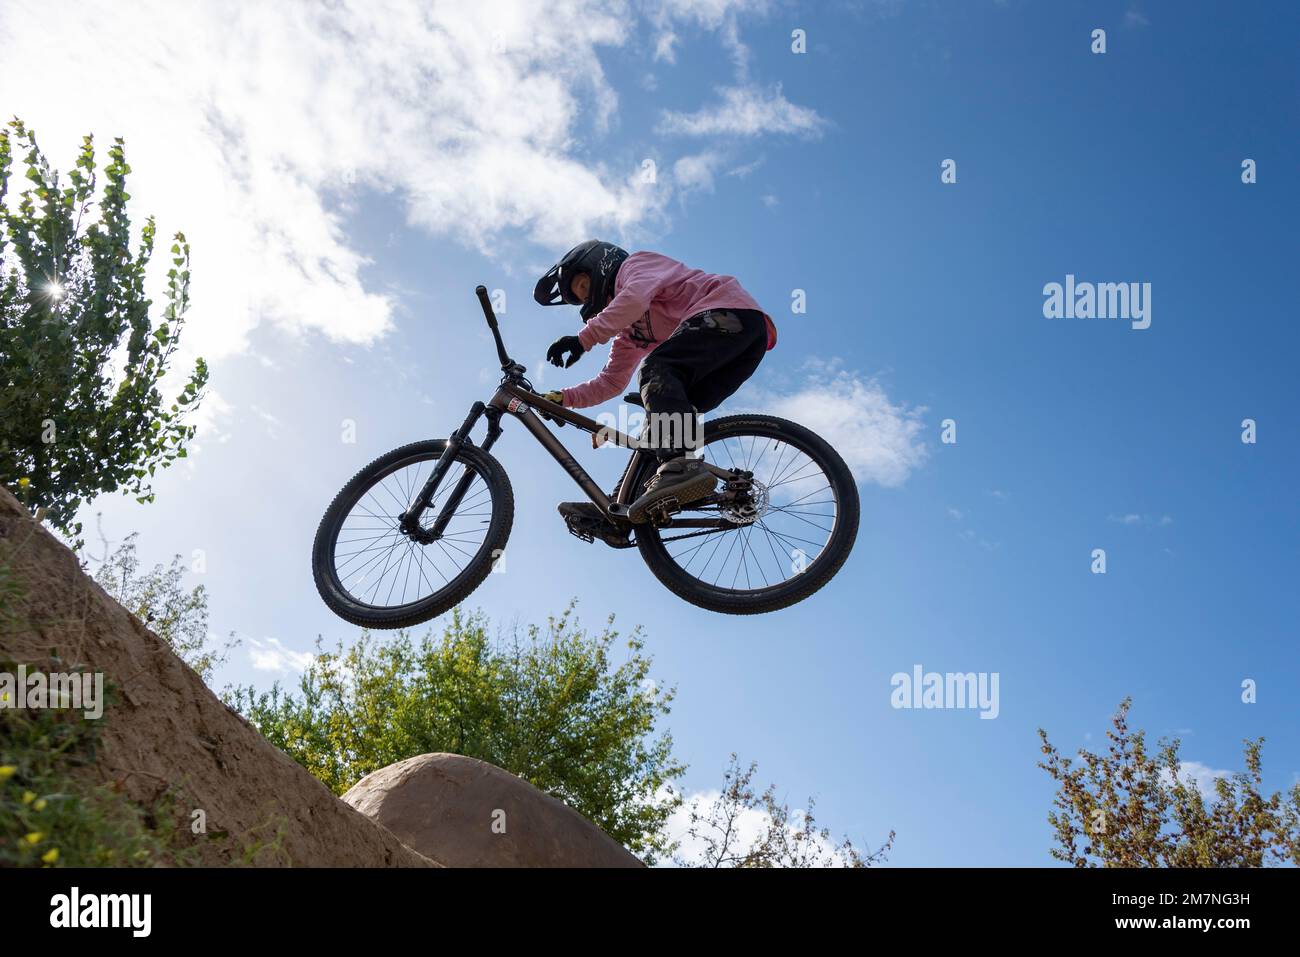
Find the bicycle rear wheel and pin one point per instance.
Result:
(371, 574)
(799, 534)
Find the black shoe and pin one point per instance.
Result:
(588, 522)
(678, 482)
(588, 511)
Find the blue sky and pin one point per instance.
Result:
(344, 197)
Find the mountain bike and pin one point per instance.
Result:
(418, 529)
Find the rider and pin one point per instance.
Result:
(701, 336)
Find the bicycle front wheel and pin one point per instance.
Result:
(371, 574)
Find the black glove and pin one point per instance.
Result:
(560, 346)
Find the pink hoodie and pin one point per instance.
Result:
(652, 296)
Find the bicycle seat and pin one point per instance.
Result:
(634, 398)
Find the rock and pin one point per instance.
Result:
(467, 813)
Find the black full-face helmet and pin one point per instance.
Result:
(599, 260)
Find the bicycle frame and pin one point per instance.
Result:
(513, 398)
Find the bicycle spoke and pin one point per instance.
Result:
(376, 563)
(723, 566)
(796, 538)
(809, 521)
(775, 557)
(793, 503)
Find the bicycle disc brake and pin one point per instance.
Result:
(750, 501)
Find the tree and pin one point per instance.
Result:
(552, 708)
(160, 600)
(80, 359)
(1130, 808)
(741, 828)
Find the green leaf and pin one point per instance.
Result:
(110, 432)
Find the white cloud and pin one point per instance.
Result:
(740, 172)
(211, 419)
(695, 172)
(879, 439)
(247, 125)
(969, 534)
(258, 129)
(270, 654)
(715, 16)
(1199, 775)
(745, 111)
(1134, 518)
(750, 825)
(664, 44)
(649, 689)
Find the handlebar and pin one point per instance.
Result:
(491, 318)
(507, 364)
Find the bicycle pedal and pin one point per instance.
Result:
(663, 511)
(579, 532)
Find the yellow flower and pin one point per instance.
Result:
(34, 837)
(24, 482)
(7, 771)
(29, 797)
(40, 805)
(50, 856)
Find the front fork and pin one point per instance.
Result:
(409, 521)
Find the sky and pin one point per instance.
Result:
(347, 174)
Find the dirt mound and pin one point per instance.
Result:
(472, 814)
(168, 729)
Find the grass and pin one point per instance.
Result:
(53, 815)
(49, 815)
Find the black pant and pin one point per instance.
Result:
(706, 359)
